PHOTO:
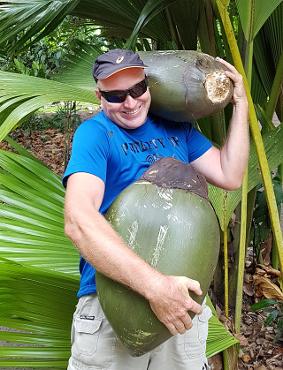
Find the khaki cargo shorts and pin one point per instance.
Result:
(95, 345)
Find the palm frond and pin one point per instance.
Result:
(268, 48)
(37, 18)
(36, 311)
(31, 214)
(150, 10)
(147, 18)
(186, 32)
(77, 69)
(21, 95)
(121, 16)
(224, 203)
(260, 13)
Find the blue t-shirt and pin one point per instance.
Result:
(120, 156)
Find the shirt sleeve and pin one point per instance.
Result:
(197, 143)
(90, 151)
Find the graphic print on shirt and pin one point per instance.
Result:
(140, 146)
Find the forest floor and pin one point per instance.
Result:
(261, 344)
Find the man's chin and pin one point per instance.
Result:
(133, 123)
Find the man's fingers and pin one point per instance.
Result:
(236, 77)
(194, 306)
(194, 286)
(231, 72)
(179, 327)
(172, 309)
(172, 329)
(228, 65)
(187, 321)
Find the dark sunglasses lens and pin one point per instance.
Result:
(113, 97)
(139, 89)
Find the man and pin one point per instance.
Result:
(101, 166)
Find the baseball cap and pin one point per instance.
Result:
(113, 61)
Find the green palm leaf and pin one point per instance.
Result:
(124, 18)
(256, 17)
(19, 15)
(184, 33)
(21, 95)
(224, 202)
(218, 336)
(77, 69)
(37, 17)
(39, 305)
(268, 48)
(31, 216)
(150, 10)
(120, 17)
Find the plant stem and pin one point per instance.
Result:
(275, 261)
(242, 255)
(271, 201)
(244, 201)
(226, 272)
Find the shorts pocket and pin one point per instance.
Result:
(195, 338)
(203, 324)
(86, 335)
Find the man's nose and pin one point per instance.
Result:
(129, 102)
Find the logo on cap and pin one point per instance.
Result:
(119, 60)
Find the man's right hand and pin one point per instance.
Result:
(170, 301)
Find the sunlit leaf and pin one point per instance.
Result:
(150, 10)
(224, 202)
(33, 93)
(253, 15)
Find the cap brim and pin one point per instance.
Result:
(121, 69)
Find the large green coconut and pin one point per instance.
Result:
(167, 220)
(186, 84)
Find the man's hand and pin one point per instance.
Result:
(239, 94)
(171, 302)
(225, 168)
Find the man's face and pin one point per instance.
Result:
(131, 113)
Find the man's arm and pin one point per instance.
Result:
(225, 167)
(101, 246)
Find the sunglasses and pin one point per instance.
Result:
(119, 96)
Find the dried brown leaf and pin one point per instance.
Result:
(270, 270)
(260, 271)
(266, 250)
(267, 288)
(242, 339)
(248, 289)
(246, 358)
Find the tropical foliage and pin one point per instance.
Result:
(38, 264)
